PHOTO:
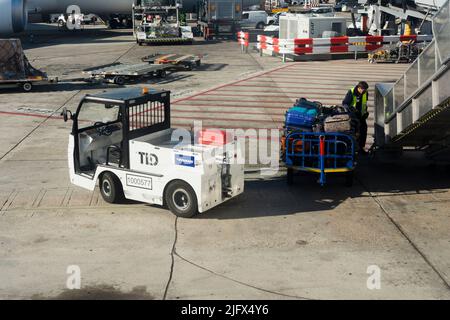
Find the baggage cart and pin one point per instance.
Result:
(16, 70)
(322, 153)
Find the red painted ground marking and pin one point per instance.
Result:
(231, 83)
(237, 112)
(291, 82)
(282, 106)
(246, 89)
(319, 78)
(224, 100)
(35, 115)
(223, 119)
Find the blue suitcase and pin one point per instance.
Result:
(301, 118)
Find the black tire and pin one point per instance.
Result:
(260, 25)
(111, 188)
(62, 25)
(187, 67)
(27, 86)
(180, 198)
(119, 81)
(161, 74)
(349, 179)
(290, 176)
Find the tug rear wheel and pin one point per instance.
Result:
(181, 199)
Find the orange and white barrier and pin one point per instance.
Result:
(331, 45)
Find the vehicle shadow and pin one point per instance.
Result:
(273, 197)
(211, 67)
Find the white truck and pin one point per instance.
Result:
(123, 140)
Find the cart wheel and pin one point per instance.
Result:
(62, 25)
(161, 73)
(187, 67)
(111, 188)
(290, 176)
(180, 198)
(27, 86)
(119, 81)
(349, 179)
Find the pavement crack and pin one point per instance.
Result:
(172, 256)
(39, 125)
(405, 235)
(241, 282)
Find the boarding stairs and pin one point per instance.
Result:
(414, 112)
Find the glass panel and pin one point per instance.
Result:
(91, 113)
(388, 104)
(412, 79)
(406, 115)
(443, 84)
(393, 127)
(425, 101)
(399, 93)
(441, 30)
(427, 64)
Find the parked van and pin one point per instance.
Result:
(254, 19)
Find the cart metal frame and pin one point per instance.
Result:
(320, 152)
(120, 74)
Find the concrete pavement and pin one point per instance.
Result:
(273, 242)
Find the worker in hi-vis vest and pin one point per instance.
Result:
(356, 98)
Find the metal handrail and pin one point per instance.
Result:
(440, 72)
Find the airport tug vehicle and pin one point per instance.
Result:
(123, 140)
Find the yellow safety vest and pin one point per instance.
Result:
(363, 102)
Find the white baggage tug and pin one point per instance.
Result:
(123, 140)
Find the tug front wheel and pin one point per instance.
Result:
(111, 188)
(181, 199)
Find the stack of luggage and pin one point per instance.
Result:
(309, 116)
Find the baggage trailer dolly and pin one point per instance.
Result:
(121, 74)
(319, 152)
(27, 84)
(123, 140)
(175, 61)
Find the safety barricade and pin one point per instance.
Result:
(243, 40)
(312, 46)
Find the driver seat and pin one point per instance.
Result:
(114, 155)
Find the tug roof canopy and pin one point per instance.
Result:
(127, 96)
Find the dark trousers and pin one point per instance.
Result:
(362, 133)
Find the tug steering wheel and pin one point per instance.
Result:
(102, 129)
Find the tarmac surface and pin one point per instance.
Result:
(272, 242)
